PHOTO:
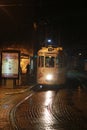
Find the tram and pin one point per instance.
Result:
(51, 66)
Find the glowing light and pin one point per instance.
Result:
(80, 54)
(49, 40)
(49, 77)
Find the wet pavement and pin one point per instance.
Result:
(9, 97)
(63, 109)
(45, 108)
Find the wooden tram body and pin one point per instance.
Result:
(51, 66)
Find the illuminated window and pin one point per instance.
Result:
(41, 61)
(49, 61)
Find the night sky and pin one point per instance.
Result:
(58, 20)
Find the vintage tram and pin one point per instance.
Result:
(51, 66)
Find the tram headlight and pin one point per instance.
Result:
(49, 77)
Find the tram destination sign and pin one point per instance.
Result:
(10, 63)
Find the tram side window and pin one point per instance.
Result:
(57, 61)
(41, 61)
(60, 61)
(49, 61)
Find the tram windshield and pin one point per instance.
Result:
(49, 61)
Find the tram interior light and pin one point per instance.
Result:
(49, 77)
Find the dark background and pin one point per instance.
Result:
(63, 21)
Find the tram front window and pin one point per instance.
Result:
(41, 61)
(49, 61)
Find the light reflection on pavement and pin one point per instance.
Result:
(60, 109)
(64, 109)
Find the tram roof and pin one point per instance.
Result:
(50, 49)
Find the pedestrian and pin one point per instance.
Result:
(28, 69)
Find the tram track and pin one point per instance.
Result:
(32, 115)
(62, 110)
(13, 119)
(5, 108)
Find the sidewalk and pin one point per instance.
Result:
(17, 90)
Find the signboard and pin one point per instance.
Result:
(10, 64)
